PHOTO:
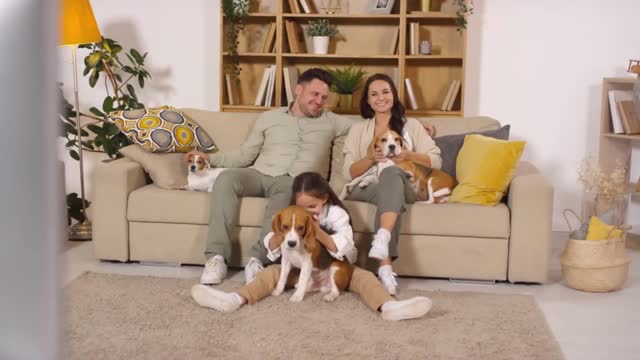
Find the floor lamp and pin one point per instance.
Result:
(78, 26)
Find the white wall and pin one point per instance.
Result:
(537, 65)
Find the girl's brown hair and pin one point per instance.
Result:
(315, 185)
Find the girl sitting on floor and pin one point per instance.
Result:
(312, 192)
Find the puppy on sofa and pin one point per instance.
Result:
(430, 185)
(201, 176)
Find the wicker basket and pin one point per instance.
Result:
(594, 266)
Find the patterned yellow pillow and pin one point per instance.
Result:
(162, 129)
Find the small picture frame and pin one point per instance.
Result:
(380, 6)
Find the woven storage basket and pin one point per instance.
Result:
(594, 266)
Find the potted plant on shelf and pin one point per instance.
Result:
(236, 12)
(321, 31)
(462, 11)
(345, 82)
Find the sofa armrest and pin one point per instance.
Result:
(112, 184)
(531, 206)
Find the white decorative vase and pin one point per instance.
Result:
(320, 44)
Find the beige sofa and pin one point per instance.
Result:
(134, 220)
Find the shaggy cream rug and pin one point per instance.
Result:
(136, 317)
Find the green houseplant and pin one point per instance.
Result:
(235, 12)
(462, 11)
(345, 82)
(105, 58)
(321, 31)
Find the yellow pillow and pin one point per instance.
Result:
(484, 169)
(163, 129)
(600, 230)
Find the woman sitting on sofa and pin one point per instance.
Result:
(383, 111)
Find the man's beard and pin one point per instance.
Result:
(309, 114)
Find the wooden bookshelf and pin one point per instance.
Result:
(366, 43)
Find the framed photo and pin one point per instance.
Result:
(380, 6)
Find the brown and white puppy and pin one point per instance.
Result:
(201, 176)
(430, 185)
(295, 233)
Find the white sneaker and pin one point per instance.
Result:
(380, 245)
(214, 271)
(253, 267)
(215, 299)
(406, 309)
(388, 279)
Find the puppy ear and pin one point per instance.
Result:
(310, 241)
(403, 144)
(372, 146)
(188, 156)
(276, 227)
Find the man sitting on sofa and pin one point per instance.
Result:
(282, 144)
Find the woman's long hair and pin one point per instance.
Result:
(315, 185)
(397, 110)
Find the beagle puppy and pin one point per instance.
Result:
(430, 185)
(201, 176)
(295, 233)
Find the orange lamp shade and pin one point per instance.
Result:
(77, 23)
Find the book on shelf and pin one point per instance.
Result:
(454, 94)
(290, 74)
(295, 37)
(270, 86)
(394, 76)
(393, 47)
(269, 40)
(232, 90)
(293, 4)
(614, 97)
(307, 6)
(415, 42)
(628, 116)
(447, 97)
(263, 86)
(411, 95)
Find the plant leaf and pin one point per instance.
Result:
(94, 129)
(107, 104)
(94, 110)
(93, 79)
(93, 59)
(136, 55)
(141, 81)
(132, 92)
(74, 155)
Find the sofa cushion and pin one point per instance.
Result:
(153, 204)
(162, 129)
(230, 129)
(485, 167)
(450, 146)
(168, 171)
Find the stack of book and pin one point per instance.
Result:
(624, 115)
(299, 6)
(452, 94)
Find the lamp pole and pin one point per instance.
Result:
(80, 231)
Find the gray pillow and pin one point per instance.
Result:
(450, 146)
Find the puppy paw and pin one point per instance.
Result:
(277, 292)
(297, 296)
(330, 297)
